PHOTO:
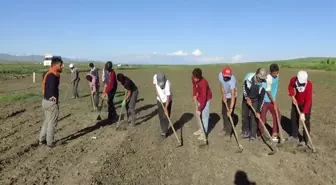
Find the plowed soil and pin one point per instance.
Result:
(89, 151)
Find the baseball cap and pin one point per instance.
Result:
(262, 74)
(302, 77)
(227, 72)
(71, 65)
(161, 79)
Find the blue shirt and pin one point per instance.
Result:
(272, 86)
(228, 85)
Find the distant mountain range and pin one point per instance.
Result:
(33, 58)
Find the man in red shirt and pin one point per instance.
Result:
(300, 89)
(110, 91)
(202, 95)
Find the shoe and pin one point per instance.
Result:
(293, 139)
(51, 145)
(275, 139)
(302, 143)
(252, 138)
(198, 132)
(201, 137)
(42, 143)
(163, 135)
(245, 135)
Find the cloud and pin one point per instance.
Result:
(178, 53)
(178, 57)
(197, 53)
(237, 58)
(210, 59)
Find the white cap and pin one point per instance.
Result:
(302, 77)
(71, 65)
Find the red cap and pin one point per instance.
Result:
(227, 72)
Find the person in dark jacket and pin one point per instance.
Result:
(50, 91)
(253, 95)
(110, 91)
(130, 99)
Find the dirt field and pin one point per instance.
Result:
(92, 152)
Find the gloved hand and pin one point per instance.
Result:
(123, 103)
(302, 117)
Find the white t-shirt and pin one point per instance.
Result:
(163, 93)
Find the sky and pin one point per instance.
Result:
(171, 32)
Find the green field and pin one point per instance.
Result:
(318, 63)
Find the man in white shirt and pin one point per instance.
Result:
(163, 91)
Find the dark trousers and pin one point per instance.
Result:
(295, 117)
(164, 122)
(96, 97)
(112, 113)
(75, 88)
(227, 127)
(130, 106)
(249, 119)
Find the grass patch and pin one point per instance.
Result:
(18, 96)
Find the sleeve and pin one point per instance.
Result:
(111, 83)
(233, 82)
(103, 75)
(268, 83)
(167, 88)
(202, 96)
(291, 85)
(193, 86)
(261, 100)
(154, 79)
(246, 90)
(220, 78)
(308, 98)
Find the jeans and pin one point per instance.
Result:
(205, 114)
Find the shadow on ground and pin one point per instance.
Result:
(213, 120)
(178, 125)
(143, 108)
(242, 179)
(85, 131)
(66, 116)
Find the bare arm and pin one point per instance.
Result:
(232, 98)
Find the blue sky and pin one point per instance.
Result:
(170, 31)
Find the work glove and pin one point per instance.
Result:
(302, 117)
(123, 103)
